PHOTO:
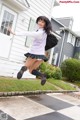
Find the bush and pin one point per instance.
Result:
(71, 69)
(51, 71)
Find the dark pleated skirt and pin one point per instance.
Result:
(34, 56)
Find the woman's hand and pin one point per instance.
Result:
(9, 29)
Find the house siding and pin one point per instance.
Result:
(10, 66)
(63, 47)
(68, 49)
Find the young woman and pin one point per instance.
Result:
(36, 54)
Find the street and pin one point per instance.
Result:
(53, 106)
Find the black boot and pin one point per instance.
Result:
(20, 73)
(43, 76)
(43, 79)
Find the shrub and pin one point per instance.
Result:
(71, 69)
(51, 71)
(57, 74)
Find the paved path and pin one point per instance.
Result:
(54, 106)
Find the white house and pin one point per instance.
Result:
(20, 14)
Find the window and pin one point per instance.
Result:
(77, 55)
(65, 57)
(55, 57)
(31, 27)
(7, 19)
(6, 22)
(71, 39)
(77, 43)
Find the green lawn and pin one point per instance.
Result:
(75, 82)
(62, 84)
(10, 84)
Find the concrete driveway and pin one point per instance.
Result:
(53, 106)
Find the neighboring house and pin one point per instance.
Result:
(69, 44)
(20, 15)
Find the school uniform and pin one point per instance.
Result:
(37, 50)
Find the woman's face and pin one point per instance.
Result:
(41, 23)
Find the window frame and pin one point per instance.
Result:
(7, 23)
(77, 43)
(29, 40)
(70, 39)
(65, 57)
(55, 58)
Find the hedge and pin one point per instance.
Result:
(51, 71)
(71, 69)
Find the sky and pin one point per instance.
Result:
(69, 10)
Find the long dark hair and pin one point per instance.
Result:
(48, 26)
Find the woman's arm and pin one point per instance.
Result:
(28, 33)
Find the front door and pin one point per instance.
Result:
(7, 19)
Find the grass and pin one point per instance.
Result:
(74, 82)
(62, 84)
(12, 84)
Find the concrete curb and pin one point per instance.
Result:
(17, 93)
(74, 94)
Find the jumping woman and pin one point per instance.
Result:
(36, 55)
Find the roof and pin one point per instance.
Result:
(56, 3)
(70, 17)
(21, 5)
(77, 32)
(69, 30)
(58, 22)
(66, 28)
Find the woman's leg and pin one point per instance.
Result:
(35, 66)
(29, 62)
(33, 70)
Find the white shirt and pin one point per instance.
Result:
(38, 46)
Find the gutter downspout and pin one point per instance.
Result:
(61, 49)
